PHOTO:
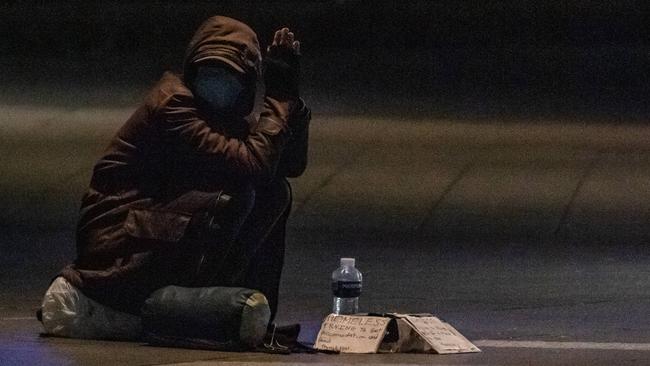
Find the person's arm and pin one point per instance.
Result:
(281, 76)
(253, 157)
(293, 160)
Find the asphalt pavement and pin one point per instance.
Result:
(530, 237)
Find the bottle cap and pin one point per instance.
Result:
(347, 262)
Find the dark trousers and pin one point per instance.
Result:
(255, 257)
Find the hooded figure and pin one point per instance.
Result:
(189, 192)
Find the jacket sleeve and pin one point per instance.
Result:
(293, 161)
(255, 157)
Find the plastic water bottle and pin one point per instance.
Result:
(346, 288)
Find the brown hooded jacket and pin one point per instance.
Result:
(168, 164)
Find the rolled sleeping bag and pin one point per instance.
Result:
(226, 318)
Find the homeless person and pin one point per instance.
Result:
(191, 191)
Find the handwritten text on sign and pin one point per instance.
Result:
(351, 334)
(441, 336)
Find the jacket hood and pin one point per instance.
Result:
(226, 40)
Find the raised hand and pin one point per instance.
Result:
(285, 38)
(282, 65)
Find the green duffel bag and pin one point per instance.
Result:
(219, 318)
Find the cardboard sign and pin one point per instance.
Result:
(422, 333)
(351, 333)
(442, 337)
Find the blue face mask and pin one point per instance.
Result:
(222, 91)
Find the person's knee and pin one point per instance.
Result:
(275, 198)
(272, 197)
(282, 194)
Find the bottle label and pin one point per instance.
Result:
(346, 289)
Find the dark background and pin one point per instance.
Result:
(448, 59)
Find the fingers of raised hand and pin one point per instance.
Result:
(285, 34)
(277, 37)
(285, 38)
